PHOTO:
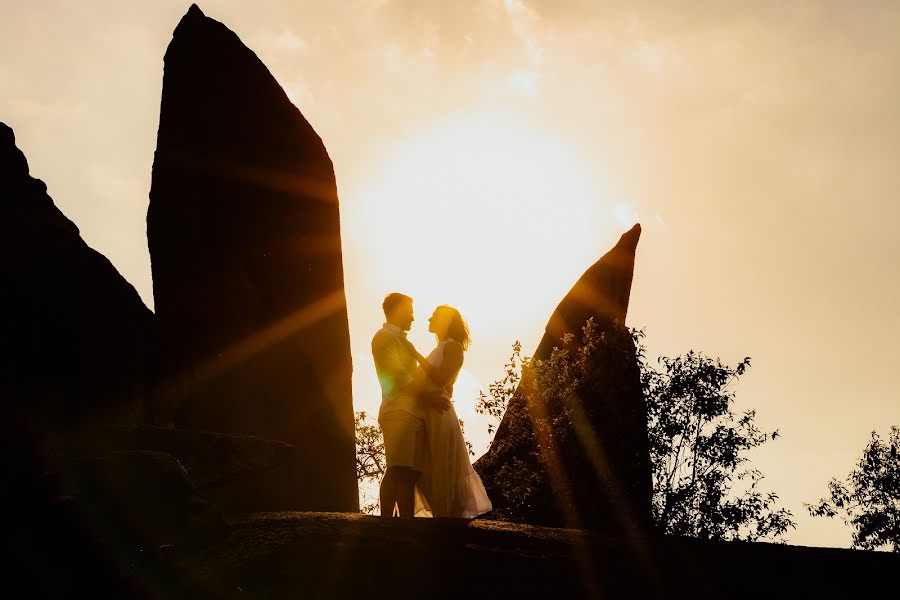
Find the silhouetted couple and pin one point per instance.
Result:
(428, 468)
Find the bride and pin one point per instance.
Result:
(450, 487)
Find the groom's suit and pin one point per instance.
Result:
(401, 416)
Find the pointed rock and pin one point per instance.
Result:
(595, 472)
(76, 337)
(244, 236)
(602, 293)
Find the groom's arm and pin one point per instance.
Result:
(396, 377)
(442, 374)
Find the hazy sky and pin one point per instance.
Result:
(487, 152)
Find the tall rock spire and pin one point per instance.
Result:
(594, 470)
(244, 237)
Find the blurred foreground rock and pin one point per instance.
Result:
(139, 500)
(333, 556)
(212, 459)
(216, 463)
(138, 489)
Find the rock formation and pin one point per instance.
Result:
(244, 237)
(596, 471)
(602, 293)
(76, 336)
(138, 499)
(327, 556)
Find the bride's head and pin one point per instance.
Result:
(446, 322)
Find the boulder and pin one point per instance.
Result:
(134, 500)
(244, 236)
(76, 337)
(594, 470)
(327, 556)
(221, 466)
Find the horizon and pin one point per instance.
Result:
(718, 132)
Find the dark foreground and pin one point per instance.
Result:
(338, 555)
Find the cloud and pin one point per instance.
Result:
(524, 83)
(288, 41)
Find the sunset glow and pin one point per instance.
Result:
(487, 153)
(483, 211)
(473, 202)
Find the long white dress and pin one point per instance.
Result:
(450, 487)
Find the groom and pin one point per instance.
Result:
(402, 411)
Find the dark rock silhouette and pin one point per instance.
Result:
(244, 237)
(602, 477)
(274, 555)
(76, 337)
(256, 341)
(138, 498)
(332, 555)
(602, 293)
(76, 366)
(213, 460)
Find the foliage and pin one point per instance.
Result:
(869, 500)
(469, 448)
(502, 390)
(370, 461)
(702, 483)
(546, 440)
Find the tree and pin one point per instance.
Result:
(702, 484)
(869, 499)
(502, 390)
(370, 462)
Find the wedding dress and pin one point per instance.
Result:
(450, 487)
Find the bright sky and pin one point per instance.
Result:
(488, 152)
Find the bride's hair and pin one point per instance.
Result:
(456, 325)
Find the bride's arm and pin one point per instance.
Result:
(451, 364)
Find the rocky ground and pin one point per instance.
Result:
(342, 555)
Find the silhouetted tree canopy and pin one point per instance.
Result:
(370, 461)
(704, 485)
(869, 499)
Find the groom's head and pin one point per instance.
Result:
(398, 310)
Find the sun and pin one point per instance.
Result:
(475, 208)
(482, 211)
